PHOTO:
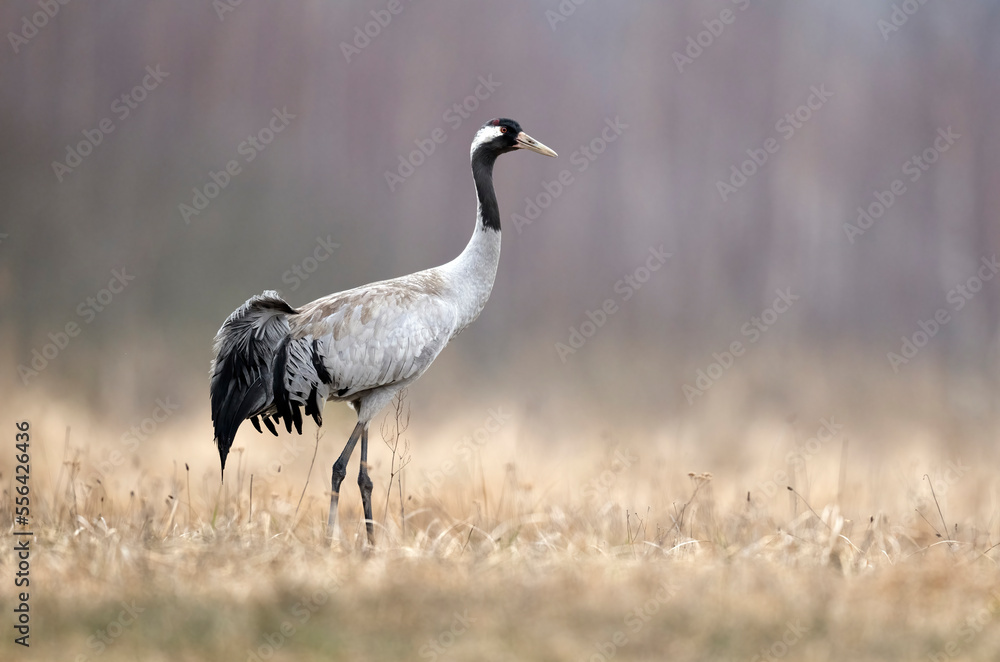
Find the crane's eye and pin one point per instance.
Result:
(503, 129)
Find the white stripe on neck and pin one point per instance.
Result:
(484, 135)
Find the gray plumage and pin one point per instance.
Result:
(358, 346)
(275, 363)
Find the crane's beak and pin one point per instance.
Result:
(524, 141)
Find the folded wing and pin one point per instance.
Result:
(341, 346)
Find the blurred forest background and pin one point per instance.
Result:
(693, 86)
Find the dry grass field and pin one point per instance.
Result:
(735, 395)
(680, 543)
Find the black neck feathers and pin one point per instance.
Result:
(482, 173)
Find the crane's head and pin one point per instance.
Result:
(503, 135)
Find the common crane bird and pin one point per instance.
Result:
(360, 346)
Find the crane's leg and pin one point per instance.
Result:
(365, 483)
(339, 472)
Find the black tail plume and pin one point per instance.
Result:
(241, 371)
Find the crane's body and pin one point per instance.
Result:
(274, 362)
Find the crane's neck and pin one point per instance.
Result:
(472, 273)
(489, 212)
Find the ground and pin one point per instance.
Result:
(145, 558)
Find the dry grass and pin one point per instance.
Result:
(582, 556)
